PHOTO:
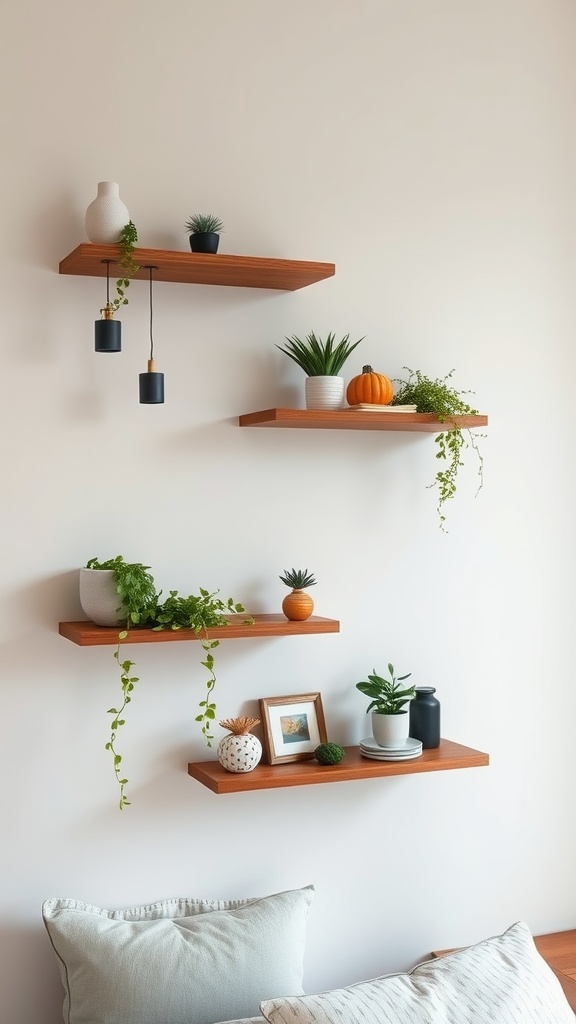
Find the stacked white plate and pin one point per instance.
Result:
(410, 748)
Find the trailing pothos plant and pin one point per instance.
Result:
(141, 605)
(127, 241)
(440, 397)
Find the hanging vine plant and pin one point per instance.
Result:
(127, 241)
(440, 397)
(140, 605)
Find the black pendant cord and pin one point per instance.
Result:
(151, 383)
(107, 282)
(151, 316)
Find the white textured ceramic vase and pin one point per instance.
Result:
(390, 730)
(106, 215)
(98, 597)
(239, 753)
(324, 392)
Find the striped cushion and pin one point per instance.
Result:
(502, 980)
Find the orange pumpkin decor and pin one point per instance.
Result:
(370, 388)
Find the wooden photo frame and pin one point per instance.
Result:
(292, 726)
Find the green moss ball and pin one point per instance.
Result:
(329, 753)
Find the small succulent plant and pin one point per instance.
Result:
(298, 579)
(204, 224)
(319, 358)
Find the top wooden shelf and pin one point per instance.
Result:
(86, 260)
(355, 419)
(87, 634)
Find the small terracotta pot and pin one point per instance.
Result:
(297, 605)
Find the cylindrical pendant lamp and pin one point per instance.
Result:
(151, 383)
(107, 331)
(151, 386)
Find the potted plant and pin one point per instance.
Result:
(204, 230)
(388, 699)
(440, 397)
(134, 601)
(297, 605)
(322, 362)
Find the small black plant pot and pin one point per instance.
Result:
(206, 241)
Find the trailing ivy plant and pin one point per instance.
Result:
(440, 397)
(140, 605)
(198, 612)
(127, 241)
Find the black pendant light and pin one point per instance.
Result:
(107, 331)
(151, 383)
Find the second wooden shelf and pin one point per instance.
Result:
(86, 634)
(355, 419)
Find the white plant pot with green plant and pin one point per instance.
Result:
(322, 362)
(390, 718)
(98, 597)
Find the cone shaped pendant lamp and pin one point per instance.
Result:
(151, 383)
(107, 331)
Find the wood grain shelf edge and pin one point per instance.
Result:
(223, 269)
(87, 634)
(448, 756)
(352, 419)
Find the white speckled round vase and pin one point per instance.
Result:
(106, 215)
(324, 392)
(390, 730)
(98, 597)
(239, 753)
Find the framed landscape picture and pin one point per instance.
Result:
(292, 726)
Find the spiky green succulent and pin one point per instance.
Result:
(204, 224)
(319, 358)
(298, 579)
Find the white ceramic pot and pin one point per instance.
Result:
(324, 392)
(390, 730)
(98, 597)
(239, 753)
(106, 215)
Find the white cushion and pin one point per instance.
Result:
(180, 961)
(502, 980)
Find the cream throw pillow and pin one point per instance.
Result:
(180, 961)
(502, 980)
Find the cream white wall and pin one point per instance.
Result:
(428, 149)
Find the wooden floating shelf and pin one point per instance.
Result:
(354, 419)
(87, 634)
(447, 756)
(86, 260)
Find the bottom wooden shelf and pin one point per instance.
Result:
(447, 756)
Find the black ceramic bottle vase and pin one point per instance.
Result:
(425, 717)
